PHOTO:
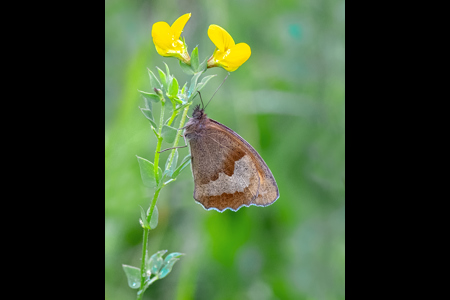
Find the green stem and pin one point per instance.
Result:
(156, 195)
(174, 114)
(144, 250)
(177, 138)
(158, 145)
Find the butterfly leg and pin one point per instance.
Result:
(185, 145)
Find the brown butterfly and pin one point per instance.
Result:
(228, 172)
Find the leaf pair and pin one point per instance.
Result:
(153, 221)
(155, 265)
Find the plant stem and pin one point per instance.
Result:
(177, 138)
(144, 250)
(174, 114)
(158, 145)
(156, 195)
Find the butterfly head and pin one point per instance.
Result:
(198, 112)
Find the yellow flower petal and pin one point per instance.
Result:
(167, 38)
(178, 25)
(233, 58)
(162, 35)
(220, 37)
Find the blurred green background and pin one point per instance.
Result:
(287, 101)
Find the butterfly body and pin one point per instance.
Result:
(228, 173)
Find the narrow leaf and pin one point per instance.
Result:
(183, 165)
(133, 276)
(168, 133)
(148, 114)
(194, 83)
(182, 106)
(172, 256)
(183, 90)
(154, 219)
(148, 103)
(165, 174)
(167, 69)
(167, 268)
(194, 59)
(159, 179)
(203, 65)
(144, 219)
(163, 78)
(150, 96)
(173, 165)
(155, 262)
(173, 88)
(186, 68)
(204, 81)
(147, 172)
(154, 82)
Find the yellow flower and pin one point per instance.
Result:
(227, 55)
(167, 38)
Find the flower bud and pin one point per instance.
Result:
(158, 92)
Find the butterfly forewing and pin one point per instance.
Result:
(228, 172)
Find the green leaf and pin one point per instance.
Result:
(167, 268)
(194, 59)
(148, 102)
(193, 85)
(168, 133)
(133, 276)
(182, 106)
(186, 68)
(174, 163)
(150, 96)
(148, 172)
(154, 219)
(155, 262)
(154, 82)
(183, 165)
(172, 256)
(203, 65)
(144, 222)
(173, 88)
(148, 114)
(183, 90)
(167, 69)
(204, 82)
(163, 78)
(199, 86)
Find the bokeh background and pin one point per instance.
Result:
(287, 101)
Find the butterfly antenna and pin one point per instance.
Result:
(217, 89)
(203, 106)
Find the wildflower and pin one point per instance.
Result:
(227, 55)
(167, 39)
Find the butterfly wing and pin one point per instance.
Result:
(228, 172)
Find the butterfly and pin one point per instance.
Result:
(228, 172)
